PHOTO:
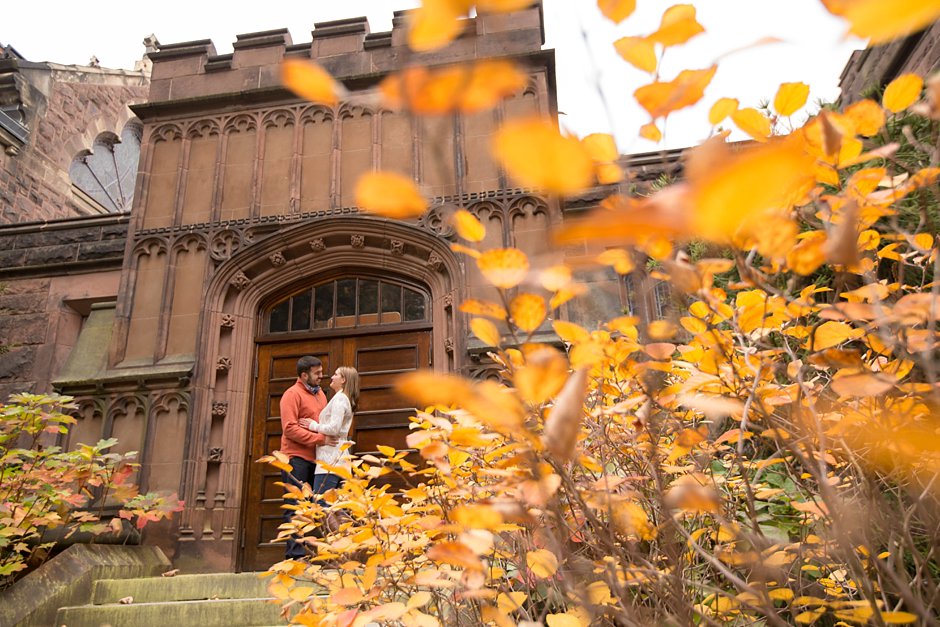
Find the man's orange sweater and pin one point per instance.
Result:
(298, 403)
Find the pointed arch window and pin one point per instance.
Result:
(349, 302)
(107, 172)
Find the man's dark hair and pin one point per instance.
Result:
(307, 362)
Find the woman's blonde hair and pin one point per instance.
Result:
(351, 387)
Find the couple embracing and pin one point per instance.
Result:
(313, 430)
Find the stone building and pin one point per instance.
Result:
(177, 325)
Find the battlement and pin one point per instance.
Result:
(346, 48)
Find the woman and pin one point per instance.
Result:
(335, 420)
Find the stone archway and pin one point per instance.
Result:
(217, 454)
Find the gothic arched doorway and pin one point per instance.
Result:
(379, 324)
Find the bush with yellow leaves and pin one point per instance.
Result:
(769, 455)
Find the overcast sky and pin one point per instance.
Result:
(813, 49)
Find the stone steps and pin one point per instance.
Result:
(211, 600)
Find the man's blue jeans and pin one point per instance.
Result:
(301, 472)
(323, 482)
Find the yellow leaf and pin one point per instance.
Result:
(433, 25)
(310, 81)
(509, 602)
(608, 173)
(455, 554)
(651, 132)
(617, 10)
(809, 617)
(504, 267)
(661, 330)
(790, 98)
(485, 308)
(867, 117)
(562, 620)
(661, 98)
(570, 332)
(542, 563)
(781, 594)
(542, 376)
(599, 593)
(678, 26)
(535, 154)
(388, 451)
(468, 88)
(898, 618)
(473, 516)
(389, 194)
(486, 331)
(882, 21)
(468, 227)
(527, 311)
(902, 92)
(601, 147)
(752, 122)
(490, 81)
(833, 333)
(419, 599)
(808, 254)
(302, 593)
(730, 189)
(722, 108)
(853, 382)
(555, 277)
(619, 259)
(346, 596)
(639, 52)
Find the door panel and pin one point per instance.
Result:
(382, 417)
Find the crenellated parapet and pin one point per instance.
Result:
(346, 48)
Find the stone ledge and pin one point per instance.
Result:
(67, 580)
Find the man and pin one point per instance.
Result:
(302, 402)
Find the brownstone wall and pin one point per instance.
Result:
(66, 107)
(873, 68)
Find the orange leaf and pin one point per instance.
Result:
(898, 618)
(601, 147)
(389, 194)
(434, 25)
(902, 92)
(722, 108)
(310, 81)
(542, 376)
(490, 81)
(662, 98)
(455, 554)
(570, 332)
(535, 154)
(790, 98)
(617, 10)
(752, 122)
(486, 331)
(833, 333)
(867, 116)
(651, 132)
(731, 189)
(882, 21)
(468, 227)
(527, 311)
(678, 26)
(639, 52)
(483, 308)
(504, 267)
(501, 6)
(853, 382)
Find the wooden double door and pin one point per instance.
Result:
(382, 417)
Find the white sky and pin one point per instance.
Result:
(814, 49)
